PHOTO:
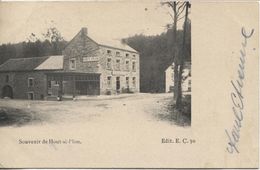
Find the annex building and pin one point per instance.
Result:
(186, 78)
(87, 66)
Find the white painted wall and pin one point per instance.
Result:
(169, 78)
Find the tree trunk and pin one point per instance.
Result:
(175, 57)
(179, 85)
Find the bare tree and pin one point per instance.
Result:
(178, 9)
(183, 55)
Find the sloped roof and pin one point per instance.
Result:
(108, 42)
(35, 63)
(51, 63)
(187, 65)
(114, 43)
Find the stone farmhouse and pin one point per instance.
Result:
(88, 66)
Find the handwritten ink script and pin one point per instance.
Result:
(237, 97)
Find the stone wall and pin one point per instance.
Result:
(123, 72)
(79, 48)
(19, 83)
(89, 58)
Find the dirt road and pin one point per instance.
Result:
(114, 131)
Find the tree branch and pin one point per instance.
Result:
(183, 3)
(182, 9)
(170, 15)
(171, 4)
(181, 18)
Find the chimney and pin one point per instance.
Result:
(84, 30)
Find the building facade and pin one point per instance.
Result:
(186, 78)
(88, 66)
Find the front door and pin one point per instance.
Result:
(117, 83)
(30, 96)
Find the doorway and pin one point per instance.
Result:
(30, 96)
(117, 83)
(7, 91)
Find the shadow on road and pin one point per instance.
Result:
(169, 113)
(17, 117)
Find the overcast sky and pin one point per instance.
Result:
(107, 19)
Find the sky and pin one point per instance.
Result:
(109, 19)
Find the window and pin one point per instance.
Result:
(133, 66)
(72, 64)
(30, 82)
(117, 53)
(189, 85)
(117, 83)
(127, 81)
(134, 81)
(49, 84)
(127, 65)
(127, 55)
(109, 81)
(109, 65)
(109, 52)
(56, 83)
(7, 78)
(133, 56)
(117, 64)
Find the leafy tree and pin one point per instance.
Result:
(155, 57)
(51, 43)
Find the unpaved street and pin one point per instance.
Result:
(126, 109)
(103, 128)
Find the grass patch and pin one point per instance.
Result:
(16, 117)
(181, 118)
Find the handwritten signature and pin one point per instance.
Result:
(237, 97)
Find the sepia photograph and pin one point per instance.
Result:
(129, 84)
(95, 73)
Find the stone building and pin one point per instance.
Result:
(88, 66)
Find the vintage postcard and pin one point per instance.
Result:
(129, 84)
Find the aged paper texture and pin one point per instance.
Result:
(116, 118)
